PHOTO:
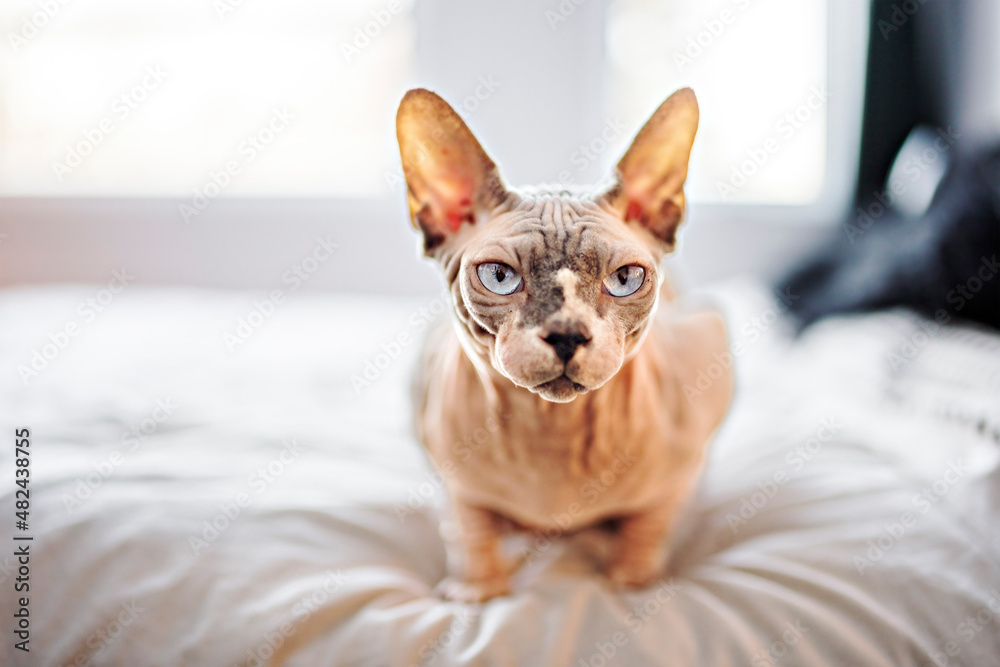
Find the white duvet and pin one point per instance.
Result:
(197, 505)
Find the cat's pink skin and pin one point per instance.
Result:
(581, 406)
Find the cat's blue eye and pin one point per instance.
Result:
(625, 281)
(498, 278)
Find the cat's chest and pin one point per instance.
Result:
(614, 451)
(543, 470)
(566, 489)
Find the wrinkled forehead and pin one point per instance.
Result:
(541, 238)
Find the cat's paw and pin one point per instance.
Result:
(482, 590)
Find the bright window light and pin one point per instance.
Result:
(198, 97)
(759, 68)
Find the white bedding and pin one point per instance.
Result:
(808, 542)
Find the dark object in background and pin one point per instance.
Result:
(935, 247)
(945, 259)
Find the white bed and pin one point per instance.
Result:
(838, 562)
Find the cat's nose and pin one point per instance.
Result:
(565, 344)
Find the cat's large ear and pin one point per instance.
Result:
(449, 177)
(649, 183)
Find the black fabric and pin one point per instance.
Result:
(944, 261)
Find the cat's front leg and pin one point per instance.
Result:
(641, 550)
(486, 574)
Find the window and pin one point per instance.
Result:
(292, 103)
(759, 68)
(117, 98)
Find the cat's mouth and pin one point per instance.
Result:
(561, 389)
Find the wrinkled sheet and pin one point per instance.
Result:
(194, 504)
